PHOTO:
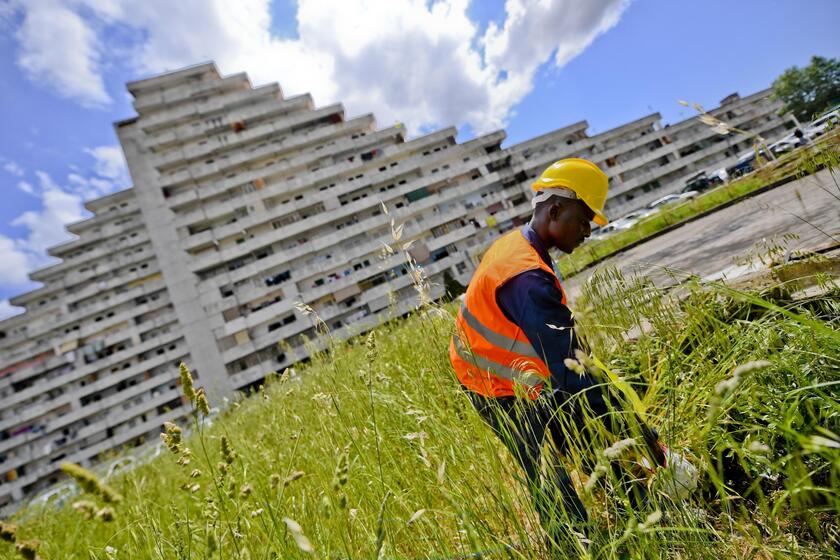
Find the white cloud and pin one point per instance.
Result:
(420, 62)
(110, 163)
(60, 205)
(43, 228)
(60, 49)
(13, 168)
(14, 263)
(26, 187)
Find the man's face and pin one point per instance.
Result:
(569, 224)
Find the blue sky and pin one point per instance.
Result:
(64, 64)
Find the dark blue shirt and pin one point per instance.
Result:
(534, 303)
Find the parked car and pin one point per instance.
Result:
(823, 124)
(786, 144)
(667, 199)
(629, 220)
(701, 182)
(746, 163)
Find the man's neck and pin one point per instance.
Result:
(539, 243)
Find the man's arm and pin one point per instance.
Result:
(533, 301)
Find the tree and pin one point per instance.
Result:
(808, 91)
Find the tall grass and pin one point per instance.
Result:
(371, 450)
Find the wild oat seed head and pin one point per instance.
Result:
(297, 533)
(749, 367)
(615, 450)
(201, 403)
(228, 454)
(575, 366)
(85, 507)
(187, 382)
(8, 532)
(90, 483)
(29, 549)
(105, 514)
(292, 477)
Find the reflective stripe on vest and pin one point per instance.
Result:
(501, 370)
(498, 339)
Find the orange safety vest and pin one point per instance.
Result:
(490, 353)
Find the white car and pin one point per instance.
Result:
(786, 144)
(667, 199)
(822, 124)
(629, 220)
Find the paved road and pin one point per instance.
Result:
(709, 246)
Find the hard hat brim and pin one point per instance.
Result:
(600, 219)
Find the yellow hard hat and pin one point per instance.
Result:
(582, 177)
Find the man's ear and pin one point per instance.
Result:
(555, 210)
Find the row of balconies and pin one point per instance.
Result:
(206, 193)
(687, 160)
(33, 346)
(86, 454)
(297, 228)
(30, 413)
(319, 243)
(44, 274)
(193, 143)
(208, 170)
(111, 339)
(255, 111)
(299, 353)
(272, 176)
(239, 141)
(290, 231)
(193, 111)
(114, 416)
(166, 98)
(66, 378)
(91, 242)
(125, 297)
(106, 246)
(271, 338)
(59, 422)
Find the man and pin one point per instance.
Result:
(514, 337)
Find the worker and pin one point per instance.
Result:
(515, 336)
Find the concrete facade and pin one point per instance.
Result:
(248, 204)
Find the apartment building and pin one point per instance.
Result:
(646, 160)
(92, 363)
(249, 210)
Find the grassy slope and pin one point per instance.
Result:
(416, 450)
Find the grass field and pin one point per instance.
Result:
(372, 451)
(796, 164)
